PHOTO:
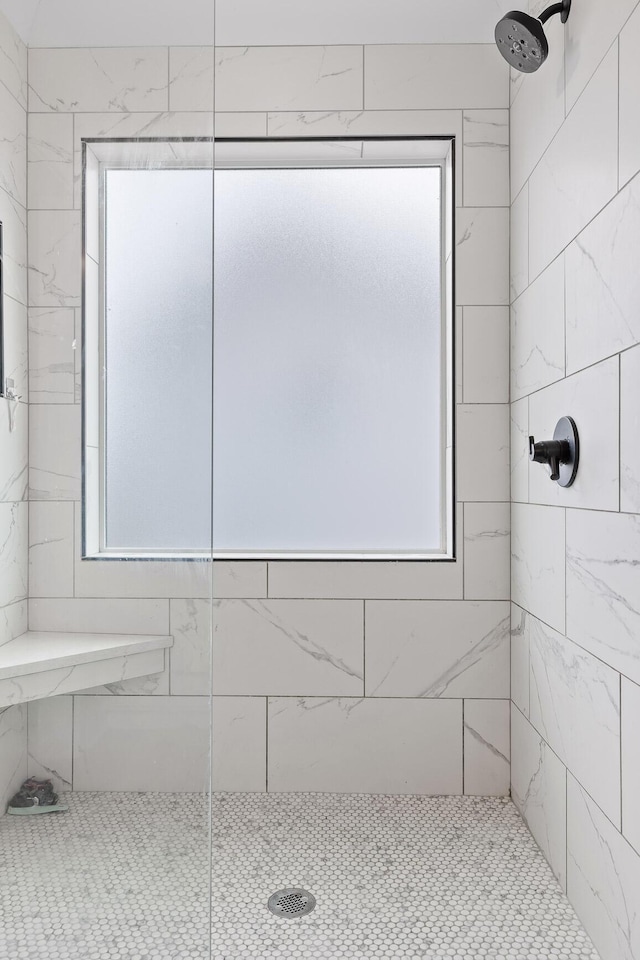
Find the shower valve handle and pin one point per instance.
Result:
(562, 454)
(551, 452)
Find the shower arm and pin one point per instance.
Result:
(563, 8)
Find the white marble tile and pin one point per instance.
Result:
(50, 549)
(100, 616)
(486, 354)
(114, 674)
(603, 285)
(14, 478)
(14, 524)
(434, 76)
(288, 647)
(537, 333)
(54, 258)
(16, 351)
(54, 452)
(50, 741)
(162, 578)
(520, 450)
(603, 878)
(13, 216)
(486, 158)
(578, 174)
(13, 752)
(482, 256)
(336, 123)
(326, 745)
(13, 621)
(483, 451)
(630, 696)
(376, 580)
(520, 658)
(141, 743)
(166, 578)
(403, 123)
(118, 79)
(486, 748)
(146, 685)
(629, 159)
(486, 551)
(191, 78)
(603, 587)
(538, 561)
(131, 125)
(519, 243)
(629, 447)
(13, 147)
(13, 62)
(50, 161)
(575, 706)
(538, 789)
(241, 124)
(591, 397)
(590, 31)
(288, 78)
(52, 355)
(190, 656)
(433, 649)
(537, 111)
(239, 747)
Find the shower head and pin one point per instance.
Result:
(521, 40)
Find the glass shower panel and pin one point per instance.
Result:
(120, 215)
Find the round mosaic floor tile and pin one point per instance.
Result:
(126, 877)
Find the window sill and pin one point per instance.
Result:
(205, 557)
(43, 664)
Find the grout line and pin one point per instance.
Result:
(619, 432)
(618, 119)
(566, 827)
(364, 648)
(73, 738)
(620, 747)
(463, 783)
(564, 612)
(266, 787)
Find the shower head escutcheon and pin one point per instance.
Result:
(521, 39)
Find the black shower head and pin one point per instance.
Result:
(521, 40)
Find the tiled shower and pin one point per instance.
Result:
(361, 728)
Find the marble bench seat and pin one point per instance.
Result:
(44, 664)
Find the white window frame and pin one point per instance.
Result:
(99, 155)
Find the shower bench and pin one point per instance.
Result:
(44, 664)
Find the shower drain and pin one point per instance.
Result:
(291, 903)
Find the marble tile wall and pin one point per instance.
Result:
(14, 509)
(308, 658)
(575, 349)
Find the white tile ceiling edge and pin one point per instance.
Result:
(104, 23)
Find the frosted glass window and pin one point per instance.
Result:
(157, 359)
(274, 348)
(328, 421)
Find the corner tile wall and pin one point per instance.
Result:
(382, 677)
(13, 444)
(575, 342)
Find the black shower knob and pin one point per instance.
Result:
(560, 454)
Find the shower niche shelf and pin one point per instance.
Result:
(45, 664)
